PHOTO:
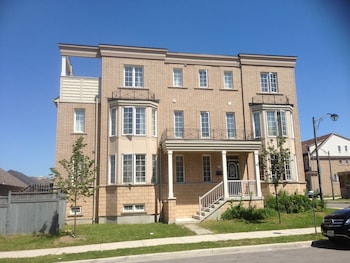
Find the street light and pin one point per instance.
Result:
(333, 117)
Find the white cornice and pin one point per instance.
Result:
(267, 60)
(79, 51)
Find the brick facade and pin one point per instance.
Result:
(145, 159)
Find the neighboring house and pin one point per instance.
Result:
(176, 134)
(8, 183)
(18, 182)
(334, 159)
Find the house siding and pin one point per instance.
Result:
(158, 93)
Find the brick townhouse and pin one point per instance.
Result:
(176, 135)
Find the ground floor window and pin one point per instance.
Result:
(134, 168)
(206, 168)
(179, 169)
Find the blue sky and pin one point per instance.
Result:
(316, 31)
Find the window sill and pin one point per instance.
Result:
(204, 88)
(223, 89)
(269, 93)
(78, 133)
(133, 213)
(73, 216)
(176, 87)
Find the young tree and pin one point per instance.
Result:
(274, 160)
(78, 178)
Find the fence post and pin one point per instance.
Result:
(8, 213)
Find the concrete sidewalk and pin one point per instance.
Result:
(157, 241)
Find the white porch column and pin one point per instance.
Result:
(170, 175)
(224, 173)
(64, 66)
(257, 173)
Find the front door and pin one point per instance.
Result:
(233, 170)
(233, 178)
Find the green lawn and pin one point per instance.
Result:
(104, 233)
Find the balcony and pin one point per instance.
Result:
(134, 94)
(213, 134)
(275, 99)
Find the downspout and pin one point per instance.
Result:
(96, 159)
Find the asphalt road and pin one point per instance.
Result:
(321, 251)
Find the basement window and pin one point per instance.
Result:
(134, 208)
(76, 209)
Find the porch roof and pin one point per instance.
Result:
(211, 145)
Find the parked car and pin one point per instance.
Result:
(336, 226)
(312, 193)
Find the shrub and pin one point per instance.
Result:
(249, 214)
(289, 203)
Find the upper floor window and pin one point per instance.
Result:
(228, 80)
(268, 82)
(203, 78)
(346, 148)
(154, 123)
(133, 76)
(177, 77)
(112, 169)
(205, 124)
(79, 120)
(178, 124)
(230, 125)
(113, 122)
(276, 123)
(339, 149)
(257, 124)
(134, 121)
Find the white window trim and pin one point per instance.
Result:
(111, 134)
(182, 128)
(206, 78)
(133, 133)
(254, 127)
(234, 126)
(201, 123)
(79, 210)
(181, 75)
(154, 122)
(183, 169)
(110, 169)
(76, 123)
(134, 208)
(134, 76)
(269, 82)
(231, 73)
(133, 168)
(210, 168)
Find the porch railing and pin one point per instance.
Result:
(211, 197)
(244, 188)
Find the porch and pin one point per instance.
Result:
(237, 176)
